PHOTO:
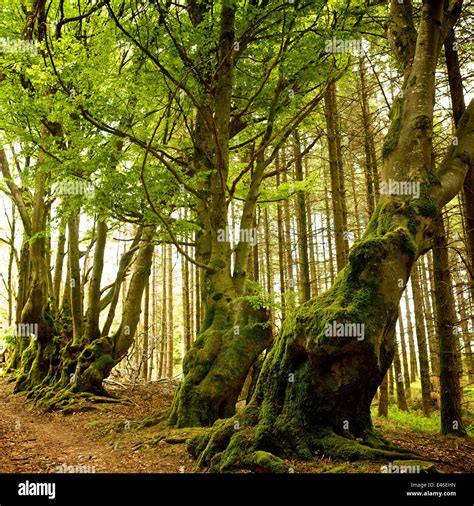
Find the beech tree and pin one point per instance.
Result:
(314, 391)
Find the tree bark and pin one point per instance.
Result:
(316, 385)
(457, 99)
(337, 192)
(383, 398)
(406, 370)
(401, 398)
(450, 373)
(411, 341)
(170, 316)
(92, 330)
(75, 277)
(421, 341)
(302, 224)
(58, 268)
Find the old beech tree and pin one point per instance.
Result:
(314, 391)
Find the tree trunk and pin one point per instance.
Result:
(281, 252)
(288, 248)
(164, 312)
(421, 341)
(450, 388)
(411, 341)
(75, 277)
(92, 330)
(331, 276)
(466, 338)
(406, 371)
(146, 332)
(429, 312)
(369, 145)
(457, 99)
(383, 398)
(333, 135)
(318, 380)
(186, 303)
(170, 319)
(391, 390)
(59, 263)
(401, 398)
(302, 224)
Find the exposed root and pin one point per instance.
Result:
(154, 419)
(227, 447)
(340, 447)
(171, 436)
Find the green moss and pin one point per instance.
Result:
(393, 134)
(268, 463)
(217, 264)
(347, 449)
(404, 241)
(426, 206)
(335, 468)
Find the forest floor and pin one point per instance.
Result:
(32, 441)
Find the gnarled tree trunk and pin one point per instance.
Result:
(316, 385)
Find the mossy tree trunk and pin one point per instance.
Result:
(315, 389)
(232, 335)
(56, 372)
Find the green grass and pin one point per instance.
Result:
(412, 419)
(415, 420)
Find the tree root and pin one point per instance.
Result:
(340, 447)
(154, 419)
(226, 448)
(171, 436)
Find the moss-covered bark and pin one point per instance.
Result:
(315, 389)
(55, 369)
(216, 366)
(316, 386)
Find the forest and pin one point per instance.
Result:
(236, 236)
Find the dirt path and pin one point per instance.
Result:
(32, 441)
